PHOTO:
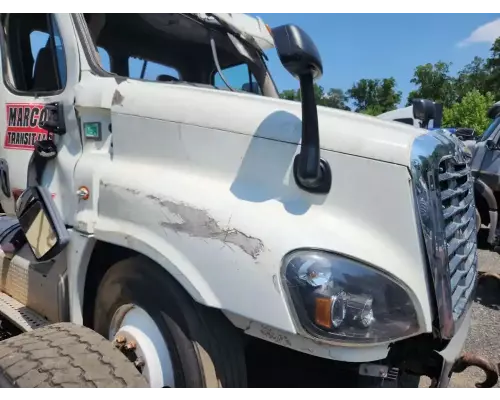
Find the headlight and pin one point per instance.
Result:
(342, 300)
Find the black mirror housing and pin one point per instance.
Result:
(41, 223)
(465, 133)
(424, 110)
(438, 115)
(297, 52)
(490, 144)
(494, 111)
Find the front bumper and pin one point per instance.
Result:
(455, 362)
(453, 351)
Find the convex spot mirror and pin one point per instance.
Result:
(424, 110)
(297, 52)
(41, 223)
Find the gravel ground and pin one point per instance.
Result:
(484, 337)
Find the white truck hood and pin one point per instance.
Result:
(248, 114)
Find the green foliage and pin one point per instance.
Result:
(375, 95)
(334, 98)
(470, 112)
(434, 82)
(473, 76)
(373, 110)
(290, 94)
(493, 69)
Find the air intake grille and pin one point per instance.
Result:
(457, 199)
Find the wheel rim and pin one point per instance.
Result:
(135, 333)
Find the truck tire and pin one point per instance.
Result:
(140, 304)
(64, 355)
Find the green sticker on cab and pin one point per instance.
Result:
(92, 130)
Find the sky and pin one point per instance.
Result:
(356, 46)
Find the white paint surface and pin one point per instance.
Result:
(218, 163)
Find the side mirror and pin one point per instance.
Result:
(424, 110)
(465, 133)
(297, 52)
(490, 144)
(41, 224)
(300, 57)
(438, 115)
(494, 111)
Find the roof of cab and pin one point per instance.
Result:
(247, 25)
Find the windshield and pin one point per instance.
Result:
(177, 48)
(488, 132)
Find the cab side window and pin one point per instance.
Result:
(105, 60)
(35, 50)
(239, 77)
(151, 71)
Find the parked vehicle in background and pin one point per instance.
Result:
(182, 222)
(415, 115)
(423, 113)
(485, 167)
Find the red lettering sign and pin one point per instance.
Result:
(23, 125)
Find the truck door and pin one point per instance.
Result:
(40, 68)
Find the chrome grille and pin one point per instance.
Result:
(457, 202)
(444, 201)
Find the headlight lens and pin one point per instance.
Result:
(343, 300)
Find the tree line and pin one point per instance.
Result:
(466, 97)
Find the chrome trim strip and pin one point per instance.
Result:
(428, 151)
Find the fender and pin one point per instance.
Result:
(215, 247)
(221, 225)
(79, 255)
(211, 261)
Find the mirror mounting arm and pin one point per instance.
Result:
(311, 172)
(300, 56)
(45, 150)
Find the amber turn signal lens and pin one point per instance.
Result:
(323, 315)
